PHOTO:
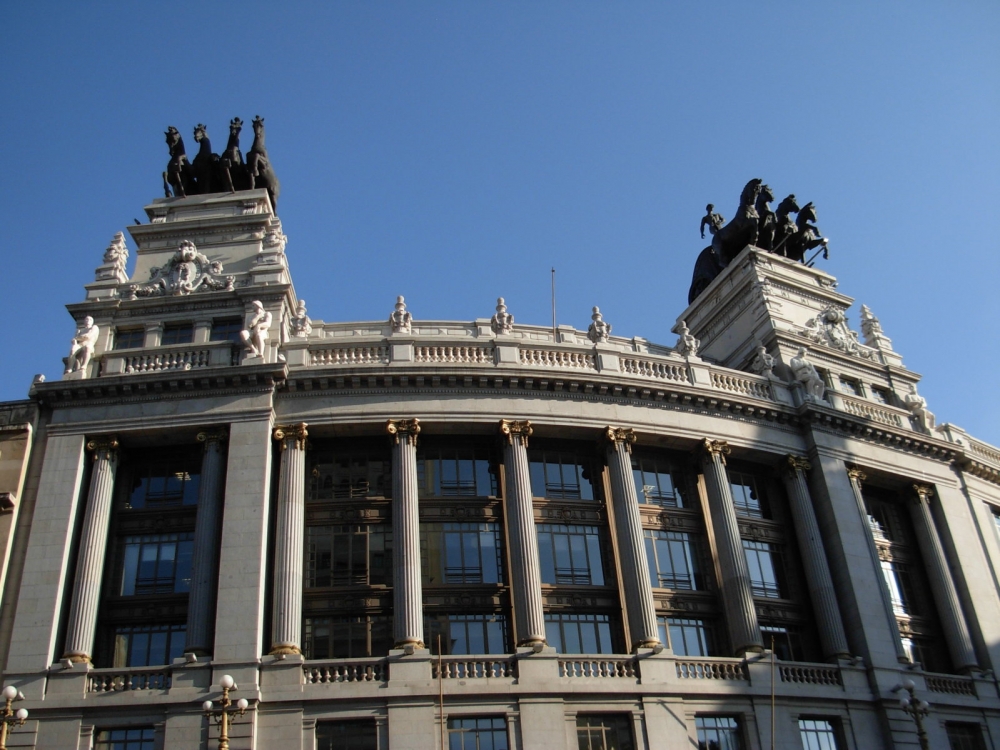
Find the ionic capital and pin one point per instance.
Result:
(796, 464)
(513, 430)
(291, 434)
(213, 436)
(616, 435)
(406, 429)
(103, 446)
(924, 492)
(716, 449)
(856, 475)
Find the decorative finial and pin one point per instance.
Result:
(599, 330)
(401, 320)
(502, 321)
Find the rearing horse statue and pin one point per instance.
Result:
(178, 173)
(205, 164)
(765, 218)
(743, 229)
(806, 237)
(259, 166)
(231, 161)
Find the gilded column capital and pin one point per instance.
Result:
(617, 435)
(716, 449)
(796, 464)
(924, 492)
(213, 435)
(407, 429)
(513, 429)
(103, 446)
(856, 475)
(286, 433)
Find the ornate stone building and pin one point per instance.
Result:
(408, 533)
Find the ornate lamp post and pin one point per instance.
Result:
(11, 718)
(222, 715)
(916, 709)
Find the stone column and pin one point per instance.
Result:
(737, 596)
(93, 545)
(824, 597)
(956, 632)
(204, 562)
(857, 477)
(638, 589)
(407, 589)
(525, 574)
(289, 532)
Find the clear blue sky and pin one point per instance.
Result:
(455, 151)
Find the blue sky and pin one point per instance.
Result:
(455, 151)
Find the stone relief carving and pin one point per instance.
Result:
(805, 373)
(762, 363)
(917, 405)
(186, 272)
(871, 329)
(82, 347)
(400, 318)
(599, 330)
(687, 345)
(255, 334)
(502, 321)
(115, 258)
(830, 328)
(300, 323)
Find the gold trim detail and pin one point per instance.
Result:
(513, 428)
(403, 428)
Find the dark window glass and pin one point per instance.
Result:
(787, 643)
(226, 330)
(348, 556)
(604, 732)
(897, 580)
(467, 634)
(347, 637)
(346, 735)
(477, 733)
(163, 483)
(965, 736)
(688, 636)
(129, 338)
(718, 733)
(748, 498)
(766, 567)
(156, 564)
(676, 560)
(148, 645)
(884, 521)
(560, 476)
(136, 738)
(342, 476)
(455, 472)
(579, 634)
(851, 386)
(996, 518)
(881, 395)
(460, 553)
(818, 734)
(177, 333)
(655, 482)
(570, 554)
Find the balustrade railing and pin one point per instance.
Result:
(350, 355)
(599, 667)
(651, 369)
(741, 384)
(453, 354)
(951, 684)
(860, 408)
(703, 669)
(810, 675)
(115, 681)
(473, 668)
(556, 358)
(346, 670)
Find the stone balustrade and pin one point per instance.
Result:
(118, 680)
(474, 667)
(172, 358)
(346, 670)
(610, 667)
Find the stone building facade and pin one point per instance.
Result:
(407, 534)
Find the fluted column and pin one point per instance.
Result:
(407, 589)
(737, 595)
(93, 545)
(833, 639)
(525, 574)
(204, 560)
(956, 632)
(638, 589)
(857, 477)
(289, 530)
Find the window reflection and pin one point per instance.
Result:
(347, 637)
(748, 497)
(560, 476)
(460, 553)
(467, 634)
(157, 564)
(570, 555)
(578, 633)
(455, 472)
(766, 567)
(343, 476)
(655, 483)
(675, 559)
(348, 555)
(148, 645)
(688, 636)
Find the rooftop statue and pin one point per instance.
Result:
(502, 321)
(766, 220)
(178, 173)
(259, 166)
(82, 346)
(806, 236)
(711, 220)
(742, 230)
(599, 329)
(205, 166)
(784, 224)
(234, 171)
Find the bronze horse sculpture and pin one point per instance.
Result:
(806, 236)
(743, 229)
(259, 166)
(234, 172)
(178, 173)
(205, 166)
(766, 220)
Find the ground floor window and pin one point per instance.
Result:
(688, 636)
(579, 634)
(818, 734)
(148, 645)
(347, 637)
(467, 634)
(477, 733)
(136, 738)
(604, 732)
(719, 733)
(787, 644)
(346, 735)
(963, 736)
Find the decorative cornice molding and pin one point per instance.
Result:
(519, 430)
(407, 429)
(624, 435)
(716, 449)
(292, 434)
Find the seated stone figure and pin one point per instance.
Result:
(806, 373)
(256, 333)
(82, 346)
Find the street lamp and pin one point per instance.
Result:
(10, 718)
(916, 709)
(222, 716)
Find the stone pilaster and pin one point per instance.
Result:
(204, 560)
(525, 574)
(407, 590)
(638, 591)
(857, 477)
(737, 595)
(956, 632)
(289, 530)
(824, 598)
(93, 545)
